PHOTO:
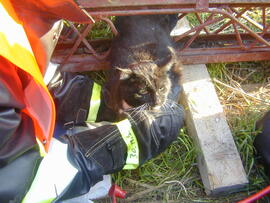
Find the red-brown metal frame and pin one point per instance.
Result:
(238, 45)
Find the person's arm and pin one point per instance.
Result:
(19, 151)
(105, 148)
(96, 149)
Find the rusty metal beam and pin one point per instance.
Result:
(194, 45)
(201, 56)
(213, 48)
(148, 10)
(83, 62)
(217, 41)
(143, 7)
(143, 3)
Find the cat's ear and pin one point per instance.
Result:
(166, 61)
(124, 73)
(172, 53)
(161, 62)
(168, 21)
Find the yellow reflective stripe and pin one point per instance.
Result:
(132, 161)
(94, 103)
(42, 151)
(42, 201)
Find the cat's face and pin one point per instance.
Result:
(145, 83)
(135, 91)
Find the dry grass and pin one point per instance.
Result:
(244, 91)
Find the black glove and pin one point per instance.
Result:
(72, 95)
(262, 142)
(156, 130)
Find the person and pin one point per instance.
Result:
(33, 168)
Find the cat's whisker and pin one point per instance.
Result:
(141, 113)
(137, 111)
(169, 106)
(133, 114)
(136, 120)
(167, 109)
(137, 108)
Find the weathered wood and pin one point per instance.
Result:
(218, 159)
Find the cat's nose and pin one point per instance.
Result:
(157, 102)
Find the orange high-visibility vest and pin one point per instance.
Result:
(21, 47)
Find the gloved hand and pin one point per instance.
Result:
(78, 99)
(71, 93)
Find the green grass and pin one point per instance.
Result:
(101, 30)
(171, 174)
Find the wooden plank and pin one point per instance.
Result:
(219, 162)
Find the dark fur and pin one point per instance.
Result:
(262, 142)
(144, 63)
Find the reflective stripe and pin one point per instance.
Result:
(94, 103)
(54, 174)
(42, 151)
(42, 201)
(130, 139)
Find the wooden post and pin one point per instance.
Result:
(219, 162)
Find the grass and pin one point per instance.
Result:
(167, 176)
(101, 30)
(253, 13)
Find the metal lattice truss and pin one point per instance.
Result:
(218, 31)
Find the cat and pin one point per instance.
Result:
(144, 65)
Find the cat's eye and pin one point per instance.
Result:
(137, 96)
(162, 88)
(143, 91)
